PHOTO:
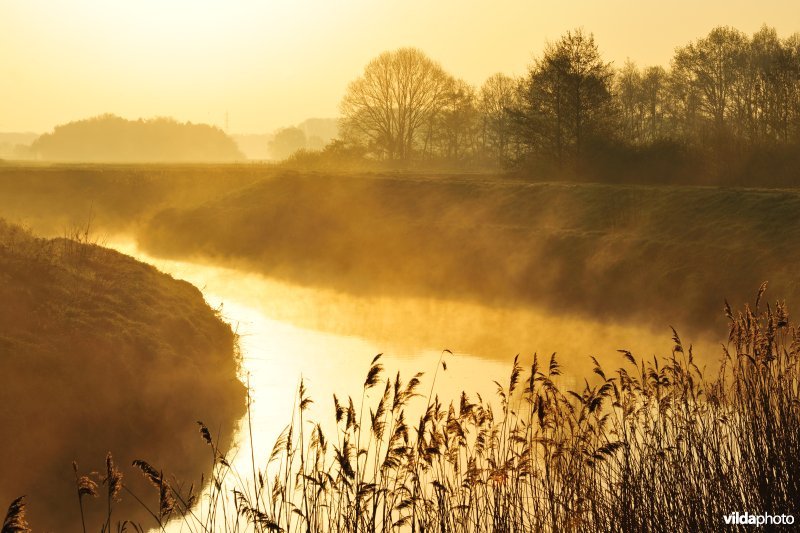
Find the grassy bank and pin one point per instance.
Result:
(626, 253)
(100, 352)
(54, 198)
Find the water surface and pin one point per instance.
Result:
(328, 339)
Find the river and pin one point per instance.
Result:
(288, 332)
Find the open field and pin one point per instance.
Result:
(54, 199)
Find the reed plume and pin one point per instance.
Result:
(15, 521)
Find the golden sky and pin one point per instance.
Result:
(274, 63)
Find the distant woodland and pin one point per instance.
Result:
(727, 110)
(16, 145)
(109, 138)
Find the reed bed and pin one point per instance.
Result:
(653, 446)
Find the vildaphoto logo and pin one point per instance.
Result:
(745, 519)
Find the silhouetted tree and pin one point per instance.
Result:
(709, 70)
(790, 112)
(452, 130)
(567, 98)
(641, 97)
(387, 107)
(498, 97)
(763, 98)
(727, 104)
(655, 96)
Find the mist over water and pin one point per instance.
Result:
(409, 324)
(329, 337)
(472, 270)
(617, 254)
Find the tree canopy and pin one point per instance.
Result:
(567, 97)
(109, 138)
(728, 103)
(387, 106)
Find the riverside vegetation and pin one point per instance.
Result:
(572, 248)
(101, 352)
(589, 249)
(687, 449)
(656, 445)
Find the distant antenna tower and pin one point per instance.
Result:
(226, 123)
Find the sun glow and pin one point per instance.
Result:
(274, 63)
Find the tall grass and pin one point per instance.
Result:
(655, 445)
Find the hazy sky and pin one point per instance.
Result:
(273, 63)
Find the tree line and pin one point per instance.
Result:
(727, 102)
(109, 138)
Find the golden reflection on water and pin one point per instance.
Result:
(411, 324)
(329, 338)
(277, 352)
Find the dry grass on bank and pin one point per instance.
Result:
(653, 446)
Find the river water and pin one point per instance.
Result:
(288, 332)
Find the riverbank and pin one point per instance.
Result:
(103, 353)
(645, 255)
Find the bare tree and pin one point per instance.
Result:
(655, 96)
(641, 96)
(498, 96)
(452, 131)
(764, 97)
(790, 115)
(630, 101)
(711, 67)
(388, 105)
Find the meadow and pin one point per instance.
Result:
(669, 443)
